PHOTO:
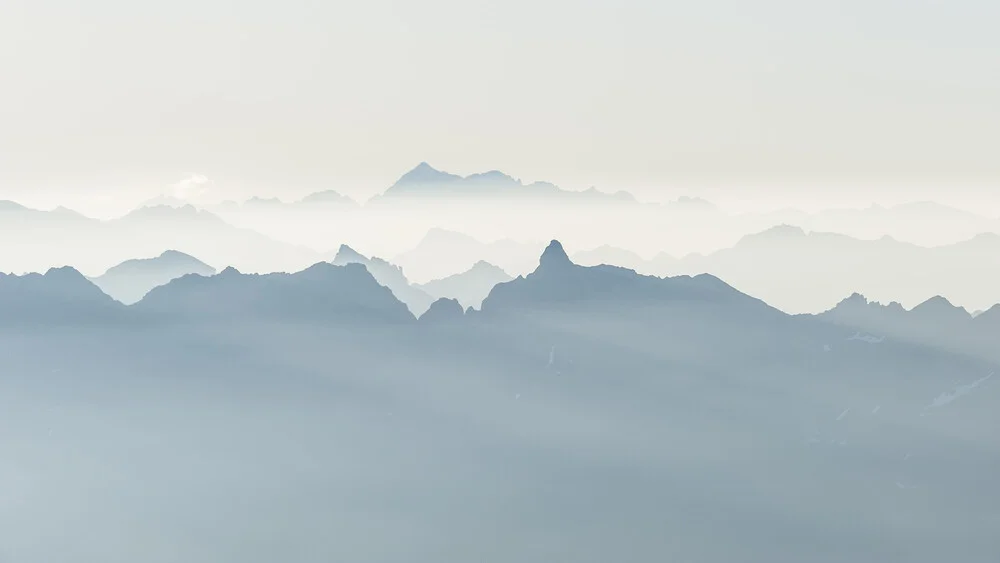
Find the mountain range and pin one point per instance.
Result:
(468, 288)
(389, 275)
(424, 181)
(682, 406)
(129, 281)
(441, 253)
(798, 271)
(935, 322)
(36, 240)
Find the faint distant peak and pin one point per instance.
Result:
(169, 259)
(783, 230)
(426, 174)
(495, 177)
(326, 196)
(346, 254)
(936, 303)
(776, 233)
(256, 200)
(168, 211)
(484, 266)
(693, 203)
(554, 256)
(984, 238)
(175, 255)
(7, 205)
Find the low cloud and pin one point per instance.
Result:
(192, 187)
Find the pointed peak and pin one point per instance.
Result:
(426, 174)
(229, 271)
(554, 256)
(347, 254)
(938, 302)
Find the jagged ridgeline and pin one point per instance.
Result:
(588, 412)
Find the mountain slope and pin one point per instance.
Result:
(469, 287)
(799, 271)
(58, 297)
(558, 282)
(129, 281)
(322, 293)
(388, 275)
(441, 253)
(428, 183)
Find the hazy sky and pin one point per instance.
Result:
(111, 101)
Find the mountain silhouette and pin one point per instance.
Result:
(322, 293)
(799, 271)
(57, 297)
(469, 287)
(61, 236)
(388, 275)
(935, 322)
(442, 253)
(443, 310)
(424, 181)
(129, 281)
(326, 197)
(906, 221)
(558, 282)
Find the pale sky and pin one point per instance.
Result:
(109, 101)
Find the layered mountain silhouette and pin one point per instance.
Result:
(388, 275)
(443, 310)
(907, 221)
(799, 271)
(129, 281)
(322, 293)
(470, 287)
(60, 296)
(37, 240)
(935, 322)
(442, 252)
(425, 182)
(559, 283)
(316, 201)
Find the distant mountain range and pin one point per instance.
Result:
(425, 182)
(36, 240)
(129, 281)
(58, 297)
(809, 272)
(441, 253)
(907, 221)
(934, 322)
(316, 200)
(592, 413)
(321, 293)
(470, 287)
(390, 276)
